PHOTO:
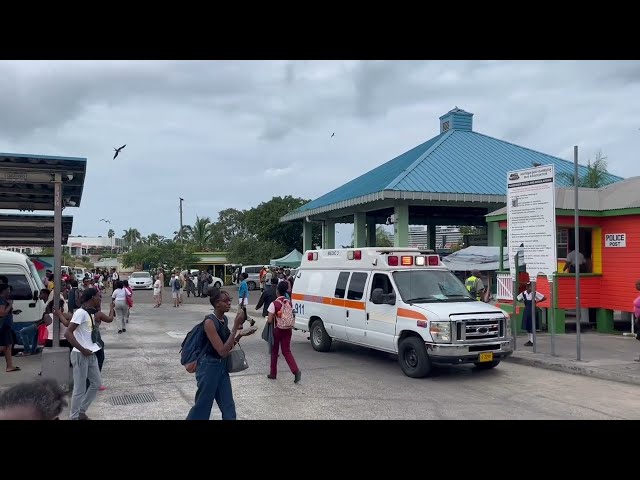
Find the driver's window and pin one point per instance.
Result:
(381, 280)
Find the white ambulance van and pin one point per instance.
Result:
(26, 284)
(399, 300)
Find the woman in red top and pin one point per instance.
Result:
(281, 337)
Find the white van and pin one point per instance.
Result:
(399, 300)
(26, 284)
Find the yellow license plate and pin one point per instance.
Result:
(486, 357)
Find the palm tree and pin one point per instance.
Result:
(111, 234)
(200, 234)
(596, 176)
(131, 237)
(185, 234)
(154, 239)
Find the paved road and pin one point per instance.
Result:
(346, 383)
(146, 296)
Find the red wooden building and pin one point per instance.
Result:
(609, 240)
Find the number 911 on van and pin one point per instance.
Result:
(398, 300)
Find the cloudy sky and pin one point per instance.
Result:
(233, 134)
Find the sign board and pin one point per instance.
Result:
(478, 240)
(531, 219)
(615, 240)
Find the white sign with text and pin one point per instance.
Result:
(531, 219)
(615, 240)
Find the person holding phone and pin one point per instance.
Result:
(211, 370)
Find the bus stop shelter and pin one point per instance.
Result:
(30, 183)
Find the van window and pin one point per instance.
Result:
(381, 280)
(20, 285)
(356, 286)
(341, 286)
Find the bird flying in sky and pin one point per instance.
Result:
(332, 135)
(117, 150)
(104, 220)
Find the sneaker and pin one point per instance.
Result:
(252, 322)
(529, 344)
(102, 388)
(270, 377)
(119, 331)
(297, 377)
(83, 416)
(124, 329)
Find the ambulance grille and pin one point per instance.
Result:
(480, 329)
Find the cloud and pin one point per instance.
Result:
(203, 129)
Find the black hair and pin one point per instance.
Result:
(215, 294)
(46, 291)
(3, 287)
(118, 285)
(245, 275)
(274, 280)
(125, 283)
(45, 395)
(283, 287)
(74, 283)
(88, 294)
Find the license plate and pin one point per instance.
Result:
(486, 357)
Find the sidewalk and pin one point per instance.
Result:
(610, 357)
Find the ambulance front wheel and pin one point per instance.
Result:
(320, 339)
(413, 357)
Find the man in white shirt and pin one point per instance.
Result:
(157, 291)
(83, 358)
(574, 258)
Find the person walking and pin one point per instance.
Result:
(211, 369)
(119, 297)
(80, 334)
(281, 336)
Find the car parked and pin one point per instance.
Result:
(141, 280)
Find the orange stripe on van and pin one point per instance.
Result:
(336, 302)
(403, 312)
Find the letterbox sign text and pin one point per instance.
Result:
(615, 240)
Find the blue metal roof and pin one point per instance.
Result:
(456, 162)
(373, 181)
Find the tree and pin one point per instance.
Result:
(168, 255)
(382, 239)
(132, 237)
(596, 175)
(199, 236)
(231, 224)
(111, 234)
(251, 251)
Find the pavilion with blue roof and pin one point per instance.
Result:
(455, 178)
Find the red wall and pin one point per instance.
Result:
(621, 266)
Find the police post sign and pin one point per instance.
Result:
(615, 240)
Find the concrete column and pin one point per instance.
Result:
(494, 234)
(307, 236)
(329, 234)
(401, 226)
(371, 233)
(431, 233)
(360, 229)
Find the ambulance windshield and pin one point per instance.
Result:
(423, 286)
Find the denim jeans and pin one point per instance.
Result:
(213, 384)
(29, 338)
(84, 368)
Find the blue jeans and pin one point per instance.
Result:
(28, 336)
(213, 384)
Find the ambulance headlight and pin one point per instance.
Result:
(440, 331)
(507, 326)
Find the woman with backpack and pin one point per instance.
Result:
(211, 367)
(281, 312)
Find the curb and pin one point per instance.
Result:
(574, 367)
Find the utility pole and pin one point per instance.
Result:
(180, 233)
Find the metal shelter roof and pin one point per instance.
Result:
(31, 230)
(26, 181)
(458, 165)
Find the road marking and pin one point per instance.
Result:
(173, 334)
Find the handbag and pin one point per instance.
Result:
(267, 334)
(236, 360)
(43, 334)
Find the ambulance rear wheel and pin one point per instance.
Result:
(320, 339)
(413, 358)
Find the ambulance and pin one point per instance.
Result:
(398, 300)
